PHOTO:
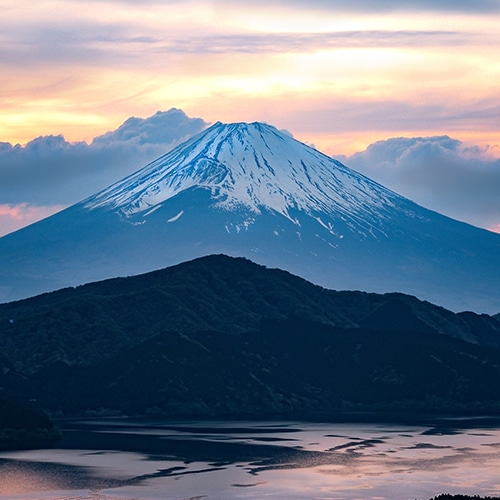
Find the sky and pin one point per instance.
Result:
(404, 91)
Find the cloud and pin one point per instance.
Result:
(103, 43)
(369, 6)
(276, 43)
(386, 114)
(438, 172)
(162, 129)
(351, 6)
(50, 172)
(76, 42)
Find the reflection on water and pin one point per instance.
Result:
(124, 459)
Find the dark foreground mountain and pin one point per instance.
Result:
(224, 336)
(249, 190)
(24, 427)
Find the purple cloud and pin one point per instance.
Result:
(52, 171)
(359, 6)
(440, 173)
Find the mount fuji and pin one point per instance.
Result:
(252, 191)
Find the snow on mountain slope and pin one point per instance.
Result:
(253, 167)
(250, 190)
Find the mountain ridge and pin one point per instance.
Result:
(216, 293)
(266, 340)
(249, 190)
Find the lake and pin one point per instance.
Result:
(118, 459)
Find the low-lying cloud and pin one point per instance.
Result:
(49, 172)
(440, 173)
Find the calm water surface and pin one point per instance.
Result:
(159, 460)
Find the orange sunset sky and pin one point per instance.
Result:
(339, 75)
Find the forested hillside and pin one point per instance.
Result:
(222, 335)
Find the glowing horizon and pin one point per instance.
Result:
(304, 66)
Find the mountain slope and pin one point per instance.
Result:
(88, 324)
(286, 366)
(221, 335)
(249, 190)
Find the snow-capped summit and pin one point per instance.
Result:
(254, 168)
(250, 190)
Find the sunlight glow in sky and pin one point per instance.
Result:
(80, 68)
